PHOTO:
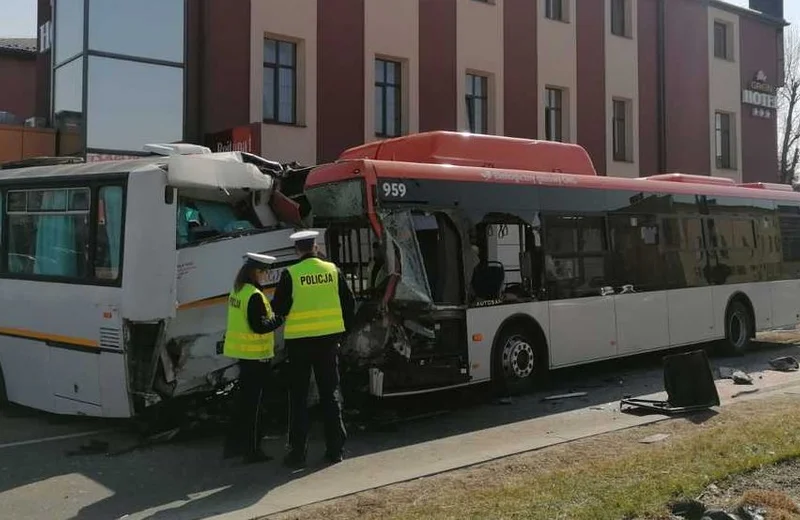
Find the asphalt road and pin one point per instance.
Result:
(42, 478)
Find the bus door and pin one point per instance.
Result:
(582, 308)
(638, 264)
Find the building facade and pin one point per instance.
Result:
(17, 79)
(646, 86)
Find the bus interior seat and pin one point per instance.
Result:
(488, 280)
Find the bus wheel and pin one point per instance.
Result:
(738, 329)
(518, 360)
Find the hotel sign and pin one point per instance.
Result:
(761, 96)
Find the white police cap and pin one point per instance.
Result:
(260, 259)
(309, 234)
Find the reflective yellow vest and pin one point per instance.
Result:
(240, 340)
(316, 309)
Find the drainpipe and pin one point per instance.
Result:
(661, 116)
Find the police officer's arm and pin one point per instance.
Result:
(347, 301)
(282, 299)
(257, 316)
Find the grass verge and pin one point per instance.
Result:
(608, 477)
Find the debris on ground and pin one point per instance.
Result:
(785, 364)
(741, 378)
(565, 396)
(658, 437)
(696, 510)
(93, 447)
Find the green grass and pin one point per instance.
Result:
(635, 481)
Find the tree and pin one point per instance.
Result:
(789, 110)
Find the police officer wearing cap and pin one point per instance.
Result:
(250, 339)
(318, 306)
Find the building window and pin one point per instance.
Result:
(477, 98)
(280, 81)
(388, 104)
(554, 114)
(621, 130)
(619, 18)
(554, 10)
(723, 47)
(724, 140)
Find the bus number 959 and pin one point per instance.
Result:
(394, 189)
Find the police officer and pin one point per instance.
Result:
(318, 306)
(250, 339)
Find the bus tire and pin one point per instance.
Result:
(520, 359)
(739, 329)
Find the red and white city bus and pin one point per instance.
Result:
(479, 258)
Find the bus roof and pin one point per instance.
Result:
(420, 157)
(79, 169)
(492, 151)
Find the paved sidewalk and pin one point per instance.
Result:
(458, 451)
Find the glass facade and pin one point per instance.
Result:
(151, 29)
(118, 74)
(147, 107)
(68, 29)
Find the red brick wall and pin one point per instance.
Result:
(18, 85)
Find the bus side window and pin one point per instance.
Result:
(109, 233)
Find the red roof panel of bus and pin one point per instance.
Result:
(694, 179)
(456, 156)
(488, 151)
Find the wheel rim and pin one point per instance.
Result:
(737, 330)
(518, 358)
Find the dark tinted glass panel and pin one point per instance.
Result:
(571, 200)
(68, 107)
(637, 259)
(132, 104)
(68, 29)
(144, 28)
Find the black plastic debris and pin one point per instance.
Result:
(785, 364)
(689, 384)
(93, 447)
(695, 510)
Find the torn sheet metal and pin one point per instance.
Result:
(225, 171)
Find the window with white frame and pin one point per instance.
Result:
(280, 81)
(554, 114)
(621, 127)
(477, 103)
(724, 133)
(555, 10)
(388, 99)
(723, 40)
(621, 18)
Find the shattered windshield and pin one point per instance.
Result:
(413, 284)
(337, 200)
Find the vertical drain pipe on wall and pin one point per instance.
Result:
(661, 116)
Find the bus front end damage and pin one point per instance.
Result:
(407, 338)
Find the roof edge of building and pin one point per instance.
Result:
(744, 11)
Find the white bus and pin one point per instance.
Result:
(114, 275)
(505, 258)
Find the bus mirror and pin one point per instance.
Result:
(169, 195)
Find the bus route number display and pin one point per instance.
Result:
(393, 189)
